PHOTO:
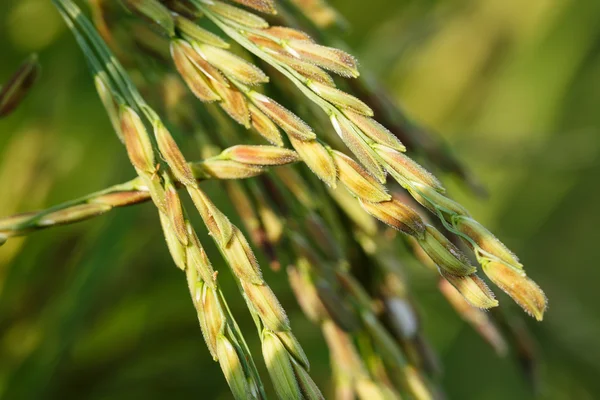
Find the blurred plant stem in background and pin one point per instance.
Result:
(90, 310)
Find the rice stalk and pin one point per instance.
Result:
(285, 214)
(270, 317)
(445, 254)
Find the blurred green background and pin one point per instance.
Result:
(97, 310)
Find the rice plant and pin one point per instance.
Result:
(275, 106)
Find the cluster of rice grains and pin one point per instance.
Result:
(371, 328)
